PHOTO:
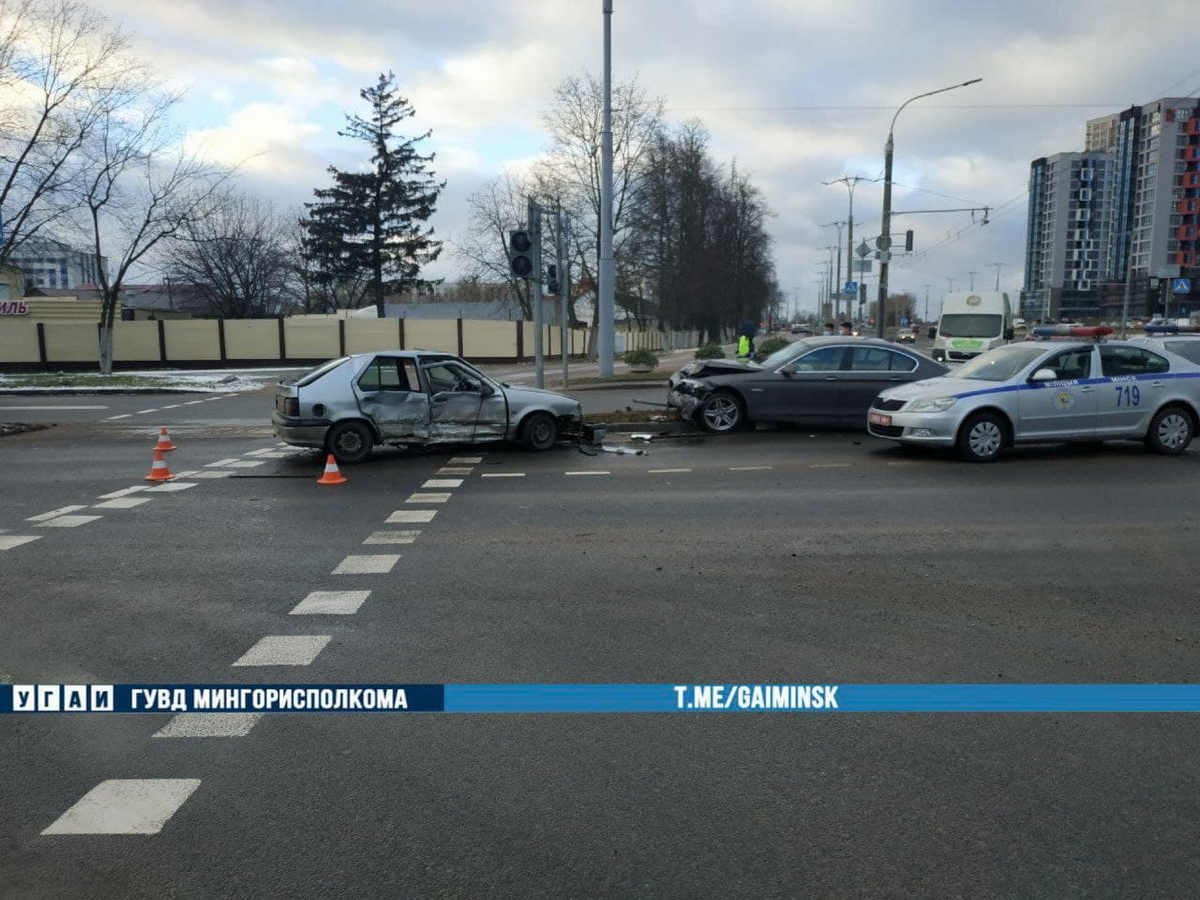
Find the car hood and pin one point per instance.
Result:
(531, 396)
(707, 368)
(941, 386)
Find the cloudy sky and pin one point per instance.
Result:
(796, 91)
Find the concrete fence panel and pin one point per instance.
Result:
(251, 339)
(311, 340)
(18, 341)
(72, 342)
(193, 340)
(484, 340)
(135, 342)
(431, 334)
(366, 335)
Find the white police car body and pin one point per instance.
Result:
(1048, 391)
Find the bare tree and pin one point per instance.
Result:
(141, 190)
(64, 69)
(497, 208)
(237, 257)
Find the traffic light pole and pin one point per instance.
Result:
(535, 292)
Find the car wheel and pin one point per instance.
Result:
(539, 431)
(982, 437)
(1170, 431)
(350, 442)
(721, 413)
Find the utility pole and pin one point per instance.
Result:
(998, 266)
(608, 287)
(851, 182)
(972, 274)
(838, 271)
(926, 319)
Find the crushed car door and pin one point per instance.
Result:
(388, 392)
(455, 398)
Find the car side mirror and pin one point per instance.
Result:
(1044, 375)
(789, 369)
(486, 390)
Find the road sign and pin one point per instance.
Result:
(863, 250)
(883, 256)
(850, 287)
(883, 242)
(862, 266)
(1181, 286)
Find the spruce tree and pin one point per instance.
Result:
(370, 227)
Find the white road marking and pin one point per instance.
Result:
(8, 541)
(126, 806)
(411, 515)
(830, 466)
(168, 487)
(217, 474)
(193, 402)
(265, 451)
(330, 603)
(244, 464)
(455, 470)
(504, 475)
(443, 483)
(428, 498)
(190, 473)
(374, 564)
(124, 492)
(284, 650)
(69, 521)
(58, 512)
(51, 408)
(392, 537)
(589, 472)
(122, 503)
(219, 463)
(144, 411)
(192, 725)
(748, 468)
(666, 471)
(121, 416)
(465, 460)
(173, 406)
(271, 454)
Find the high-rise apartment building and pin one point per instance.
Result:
(1139, 220)
(47, 263)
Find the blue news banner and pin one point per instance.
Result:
(595, 698)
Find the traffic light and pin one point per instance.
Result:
(552, 279)
(520, 253)
(908, 240)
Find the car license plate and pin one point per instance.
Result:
(879, 419)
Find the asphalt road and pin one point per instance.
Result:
(775, 557)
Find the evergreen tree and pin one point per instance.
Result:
(371, 226)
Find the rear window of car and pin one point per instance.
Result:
(1131, 361)
(313, 374)
(1187, 349)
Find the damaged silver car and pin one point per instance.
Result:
(414, 397)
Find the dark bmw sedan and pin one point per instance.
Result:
(814, 381)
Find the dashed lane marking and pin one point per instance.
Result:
(168, 487)
(666, 471)
(830, 466)
(244, 464)
(202, 725)
(442, 483)
(588, 472)
(124, 492)
(219, 463)
(455, 470)
(55, 513)
(284, 650)
(373, 564)
(9, 541)
(121, 416)
(330, 603)
(122, 503)
(503, 474)
(428, 498)
(749, 468)
(392, 537)
(216, 474)
(68, 521)
(141, 412)
(413, 516)
(172, 406)
(193, 402)
(267, 453)
(126, 806)
(465, 460)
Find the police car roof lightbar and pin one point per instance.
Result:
(1172, 329)
(1075, 331)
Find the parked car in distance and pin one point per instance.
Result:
(802, 329)
(1047, 391)
(815, 381)
(1174, 340)
(906, 336)
(414, 397)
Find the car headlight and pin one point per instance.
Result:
(934, 404)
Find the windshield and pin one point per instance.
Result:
(970, 325)
(1187, 349)
(785, 354)
(1000, 364)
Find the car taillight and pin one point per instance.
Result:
(291, 406)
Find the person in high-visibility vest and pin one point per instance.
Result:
(743, 347)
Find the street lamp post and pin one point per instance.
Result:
(886, 230)
(851, 182)
(838, 271)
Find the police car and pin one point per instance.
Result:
(1042, 390)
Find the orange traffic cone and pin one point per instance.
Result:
(332, 475)
(158, 469)
(164, 441)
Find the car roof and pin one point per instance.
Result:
(824, 340)
(407, 354)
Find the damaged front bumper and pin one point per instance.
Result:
(686, 396)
